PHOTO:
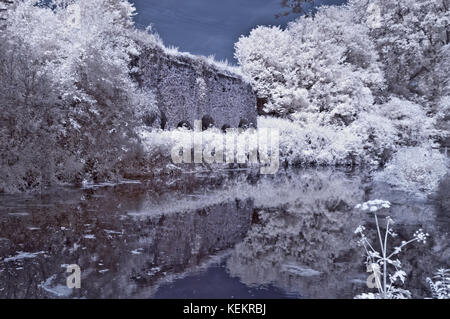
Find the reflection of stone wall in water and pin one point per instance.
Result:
(177, 243)
(282, 230)
(189, 89)
(179, 240)
(116, 253)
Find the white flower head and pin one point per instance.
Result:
(420, 236)
(360, 229)
(374, 205)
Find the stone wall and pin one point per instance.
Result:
(4, 6)
(190, 88)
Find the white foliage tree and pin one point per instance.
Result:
(363, 74)
(325, 67)
(409, 39)
(67, 96)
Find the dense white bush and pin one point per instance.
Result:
(410, 120)
(371, 141)
(68, 103)
(416, 169)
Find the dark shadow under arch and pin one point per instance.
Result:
(207, 122)
(243, 123)
(185, 124)
(225, 127)
(163, 120)
(149, 119)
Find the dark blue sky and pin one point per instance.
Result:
(208, 27)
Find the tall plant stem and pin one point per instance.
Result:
(384, 255)
(383, 250)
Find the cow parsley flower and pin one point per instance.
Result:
(420, 236)
(360, 229)
(385, 258)
(374, 205)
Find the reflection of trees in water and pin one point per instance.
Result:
(410, 212)
(284, 229)
(288, 246)
(443, 195)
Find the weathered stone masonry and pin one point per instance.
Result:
(188, 88)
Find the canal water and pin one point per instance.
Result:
(237, 235)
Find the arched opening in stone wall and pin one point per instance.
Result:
(163, 120)
(207, 122)
(225, 127)
(149, 119)
(244, 124)
(260, 103)
(184, 124)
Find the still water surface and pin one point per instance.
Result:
(285, 236)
